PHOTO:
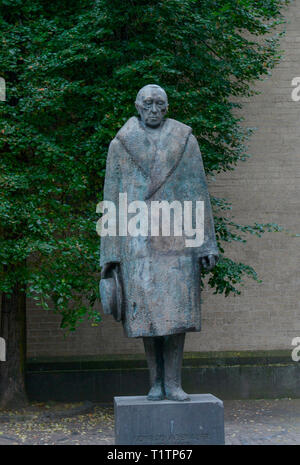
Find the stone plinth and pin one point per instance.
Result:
(140, 421)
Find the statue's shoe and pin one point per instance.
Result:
(176, 393)
(156, 392)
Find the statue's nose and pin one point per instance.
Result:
(154, 108)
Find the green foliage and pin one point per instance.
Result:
(72, 71)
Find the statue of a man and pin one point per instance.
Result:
(155, 159)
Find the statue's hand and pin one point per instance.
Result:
(209, 262)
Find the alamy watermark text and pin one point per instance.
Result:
(160, 218)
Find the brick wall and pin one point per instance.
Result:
(265, 189)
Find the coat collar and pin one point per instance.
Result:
(156, 161)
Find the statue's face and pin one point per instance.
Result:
(152, 106)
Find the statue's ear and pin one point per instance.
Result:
(137, 107)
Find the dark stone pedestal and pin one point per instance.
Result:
(140, 421)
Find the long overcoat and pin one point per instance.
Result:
(160, 275)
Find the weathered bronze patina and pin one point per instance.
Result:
(153, 158)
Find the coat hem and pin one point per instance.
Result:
(159, 334)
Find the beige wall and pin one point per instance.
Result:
(264, 189)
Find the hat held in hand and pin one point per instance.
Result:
(111, 295)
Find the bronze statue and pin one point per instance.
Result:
(156, 159)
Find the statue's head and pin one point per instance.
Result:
(152, 104)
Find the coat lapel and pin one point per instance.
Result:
(158, 162)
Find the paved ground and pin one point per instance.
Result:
(246, 422)
(262, 421)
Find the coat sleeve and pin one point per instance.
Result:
(110, 245)
(210, 244)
